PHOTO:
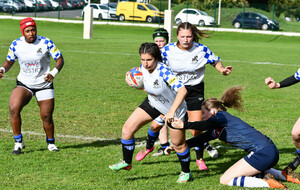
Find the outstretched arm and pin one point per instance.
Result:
(225, 71)
(284, 83)
(197, 125)
(5, 67)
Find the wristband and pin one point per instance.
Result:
(3, 69)
(54, 72)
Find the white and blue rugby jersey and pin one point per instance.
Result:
(189, 65)
(34, 60)
(297, 74)
(162, 86)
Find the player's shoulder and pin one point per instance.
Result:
(163, 69)
(18, 41)
(168, 47)
(44, 40)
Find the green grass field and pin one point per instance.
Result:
(93, 101)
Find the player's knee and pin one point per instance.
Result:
(223, 180)
(46, 117)
(127, 131)
(14, 110)
(155, 128)
(295, 135)
(179, 147)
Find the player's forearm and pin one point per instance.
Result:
(6, 66)
(59, 63)
(178, 99)
(219, 66)
(287, 82)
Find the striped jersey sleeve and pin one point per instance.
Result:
(209, 56)
(297, 74)
(170, 78)
(54, 52)
(11, 56)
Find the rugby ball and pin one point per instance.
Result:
(135, 78)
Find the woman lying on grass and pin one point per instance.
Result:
(262, 152)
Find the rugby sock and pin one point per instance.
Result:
(276, 173)
(128, 149)
(298, 152)
(18, 138)
(295, 163)
(165, 145)
(185, 159)
(248, 182)
(199, 152)
(50, 141)
(151, 138)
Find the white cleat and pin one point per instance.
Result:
(212, 151)
(18, 147)
(52, 147)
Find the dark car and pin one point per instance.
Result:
(254, 20)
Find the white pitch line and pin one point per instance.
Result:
(62, 136)
(139, 144)
(261, 63)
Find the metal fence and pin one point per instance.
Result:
(254, 16)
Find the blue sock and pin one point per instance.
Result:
(50, 141)
(185, 159)
(151, 138)
(165, 145)
(128, 149)
(18, 138)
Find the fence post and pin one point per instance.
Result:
(35, 2)
(12, 9)
(243, 15)
(273, 8)
(187, 6)
(159, 12)
(58, 16)
(215, 12)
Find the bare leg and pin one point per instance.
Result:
(239, 169)
(46, 112)
(19, 98)
(296, 134)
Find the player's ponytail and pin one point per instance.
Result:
(231, 98)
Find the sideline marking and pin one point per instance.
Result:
(139, 144)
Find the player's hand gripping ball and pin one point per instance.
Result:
(135, 78)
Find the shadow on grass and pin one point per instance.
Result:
(100, 143)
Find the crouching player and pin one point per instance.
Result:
(262, 152)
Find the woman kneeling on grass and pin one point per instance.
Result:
(165, 96)
(262, 152)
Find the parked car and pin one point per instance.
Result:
(11, 3)
(102, 11)
(6, 8)
(139, 12)
(254, 20)
(55, 5)
(29, 5)
(194, 16)
(47, 6)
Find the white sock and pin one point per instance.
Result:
(276, 173)
(248, 182)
